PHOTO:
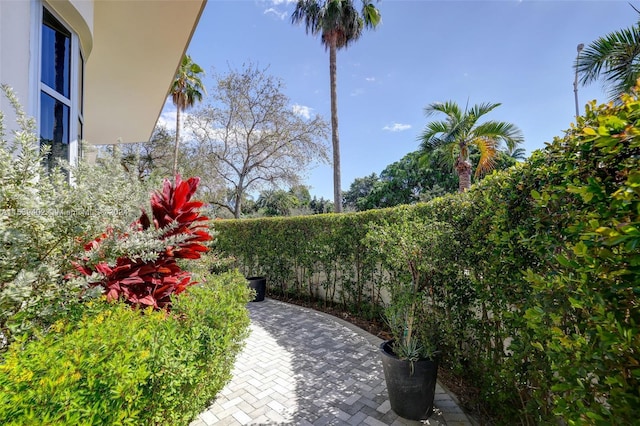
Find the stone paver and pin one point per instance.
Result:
(303, 367)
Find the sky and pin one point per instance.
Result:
(517, 53)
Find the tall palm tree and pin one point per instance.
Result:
(461, 130)
(615, 58)
(186, 90)
(339, 23)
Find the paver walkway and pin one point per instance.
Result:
(303, 367)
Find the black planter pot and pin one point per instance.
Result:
(259, 284)
(411, 388)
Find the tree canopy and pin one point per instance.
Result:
(460, 130)
(186, 90)
(614, 58)
(249, 138)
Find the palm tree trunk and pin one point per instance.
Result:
(175, 152)
(337, 190)
(463, 168)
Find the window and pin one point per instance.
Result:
(61, 87)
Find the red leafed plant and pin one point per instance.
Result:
(152, 282)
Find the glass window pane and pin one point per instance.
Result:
(54, 128)
(56, 54)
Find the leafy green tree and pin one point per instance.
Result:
(406, 180)
(360, 188)
(302, 194)
(416, 177)
(339, 23)
(277, 202)
(614, 58)
(320, 206)
(461, 130)
(186, 90)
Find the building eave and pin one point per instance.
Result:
(137, 48)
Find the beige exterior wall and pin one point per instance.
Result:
(15, 27)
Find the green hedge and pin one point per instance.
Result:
(540, 313)
(306, 256)
(108, 364)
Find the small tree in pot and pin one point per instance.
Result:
(413, 251)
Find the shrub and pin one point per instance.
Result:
(414, 252)
(44, 222)
(140, 265)
(108, 364)
(585, 319)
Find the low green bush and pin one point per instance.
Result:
(109, 364)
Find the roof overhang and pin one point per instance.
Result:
(137, 48)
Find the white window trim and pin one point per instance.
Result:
(35, 81)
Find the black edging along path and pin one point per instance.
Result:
(304, 367)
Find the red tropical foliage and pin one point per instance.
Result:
(151, 283)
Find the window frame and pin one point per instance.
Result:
(76, 77)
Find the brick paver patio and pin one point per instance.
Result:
(303, 367)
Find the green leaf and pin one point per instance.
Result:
(580, 249)
(576, 303)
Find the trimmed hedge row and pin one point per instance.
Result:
(108, 364)
(541, 312)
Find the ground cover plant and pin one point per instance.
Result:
(110, 364)
(541, 316)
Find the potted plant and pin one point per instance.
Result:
(411, 250)
(259, 285)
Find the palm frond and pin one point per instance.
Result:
(448, 108)
(615, 58)
(437, 136)
(482, 109)
(500, 131)
(371, 14)
(488, 151)
(309, 12)
(517, 153)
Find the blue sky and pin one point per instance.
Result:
(518, 53)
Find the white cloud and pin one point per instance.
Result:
(278, 9)
(278, 14)
(303, 111)
(397, 127)
(168, 120)
(370, 79)
(357, 92)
